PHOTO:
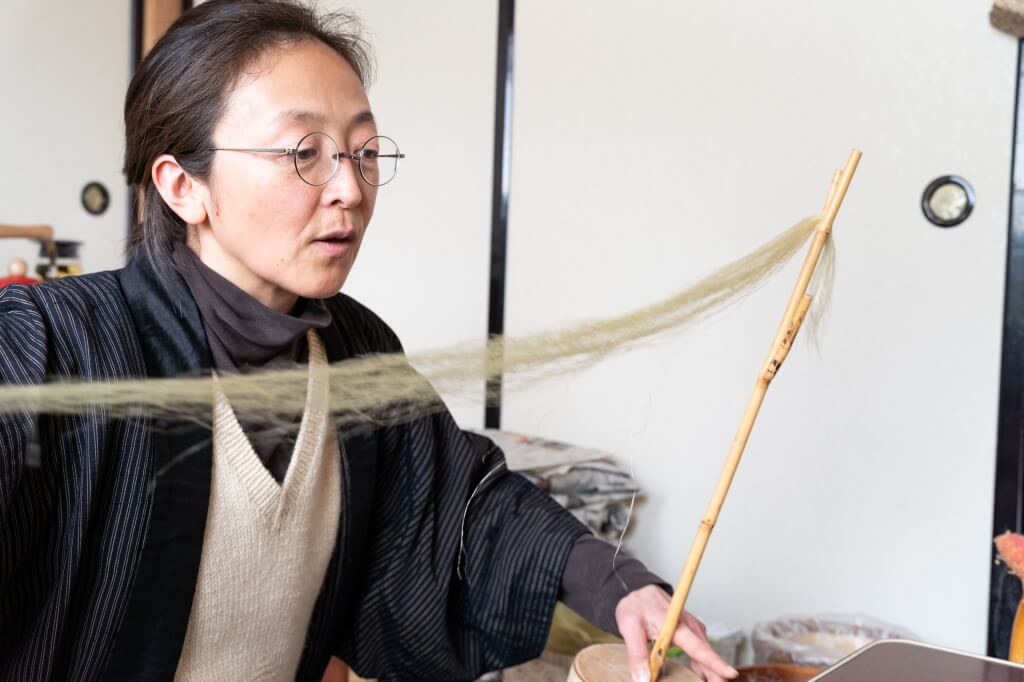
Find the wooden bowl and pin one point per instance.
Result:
(777, 672)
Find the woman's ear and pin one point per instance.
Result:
(183, 193)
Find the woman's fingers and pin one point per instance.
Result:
(695, 624)
(634, 634)
(700, 651)
(639, 616)
(705, 673)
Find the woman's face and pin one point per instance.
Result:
(266, 230)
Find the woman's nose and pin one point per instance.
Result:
(346, 185)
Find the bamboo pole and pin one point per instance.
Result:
(796, 309)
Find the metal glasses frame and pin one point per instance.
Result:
(357, 157)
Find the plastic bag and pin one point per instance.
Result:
(819, 640)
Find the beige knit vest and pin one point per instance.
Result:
(266, 546)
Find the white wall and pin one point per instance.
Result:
(655, 143)
(64, 68)
(424, 265)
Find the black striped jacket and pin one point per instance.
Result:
(99, 555)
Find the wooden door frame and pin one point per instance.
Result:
(150, 20)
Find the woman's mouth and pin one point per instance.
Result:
(336, 244)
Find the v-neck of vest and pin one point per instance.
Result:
(273, 500)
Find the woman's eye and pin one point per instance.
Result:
(306, 154)
(370, 154)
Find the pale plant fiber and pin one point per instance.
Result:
(385, 388)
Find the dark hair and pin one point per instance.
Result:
(181, 88)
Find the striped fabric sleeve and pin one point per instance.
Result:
(466, 561)
(517, 543)
(23, 342)
(597, 577)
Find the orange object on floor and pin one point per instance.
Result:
(1017, 636)
(1010, 547)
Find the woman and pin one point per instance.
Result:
(137, 549)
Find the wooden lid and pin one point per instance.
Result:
(609, 663)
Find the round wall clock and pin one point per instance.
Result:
(95, 198)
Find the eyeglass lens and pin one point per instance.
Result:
(317, 158)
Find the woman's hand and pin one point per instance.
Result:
(640, 615)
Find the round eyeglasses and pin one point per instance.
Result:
(317, 157)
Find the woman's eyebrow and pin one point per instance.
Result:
(303, 116)
(363, 117)
(299, 116)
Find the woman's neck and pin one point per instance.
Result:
(231, 269)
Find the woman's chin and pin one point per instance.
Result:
(323, 287)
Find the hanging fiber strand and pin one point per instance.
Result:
(386, 388)
(820, 289)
